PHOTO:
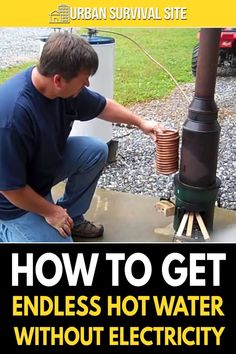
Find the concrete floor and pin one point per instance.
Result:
(134, 218)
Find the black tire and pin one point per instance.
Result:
(194, 59)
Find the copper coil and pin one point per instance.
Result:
(167, 152)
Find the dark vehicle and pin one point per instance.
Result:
(227, 50)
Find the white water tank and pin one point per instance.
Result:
(103, 83)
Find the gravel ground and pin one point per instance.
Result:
(18, 45)
(134, 170)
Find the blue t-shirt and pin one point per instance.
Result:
(33, 133)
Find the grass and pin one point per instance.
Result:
(137, 78)
(12, 70)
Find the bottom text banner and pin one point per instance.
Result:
(118, 297)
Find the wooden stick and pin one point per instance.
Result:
(190, 224)
(202, 227)
(182, 225)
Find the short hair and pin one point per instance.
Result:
(67, 54)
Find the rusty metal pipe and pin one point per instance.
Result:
(196, 185)
(201, 130)
(207, 63)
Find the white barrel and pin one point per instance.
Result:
(103, 83)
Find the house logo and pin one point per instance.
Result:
(61, 15)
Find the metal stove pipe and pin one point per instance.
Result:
(196, 185)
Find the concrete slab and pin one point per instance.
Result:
(134, 218)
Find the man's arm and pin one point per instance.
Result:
(27, 199)
(116, 113)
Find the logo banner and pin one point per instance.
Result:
(148, 13)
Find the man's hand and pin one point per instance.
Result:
(151, 128)
(26, 198)
(60, 220)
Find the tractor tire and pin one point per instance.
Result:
(194, 59)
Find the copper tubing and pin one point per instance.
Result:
(167, 152)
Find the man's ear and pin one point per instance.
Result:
(58, 81)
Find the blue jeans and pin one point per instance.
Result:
(83, 161)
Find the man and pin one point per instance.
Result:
(37, 109)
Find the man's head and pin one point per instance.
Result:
(67, 61)
(68, 55)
